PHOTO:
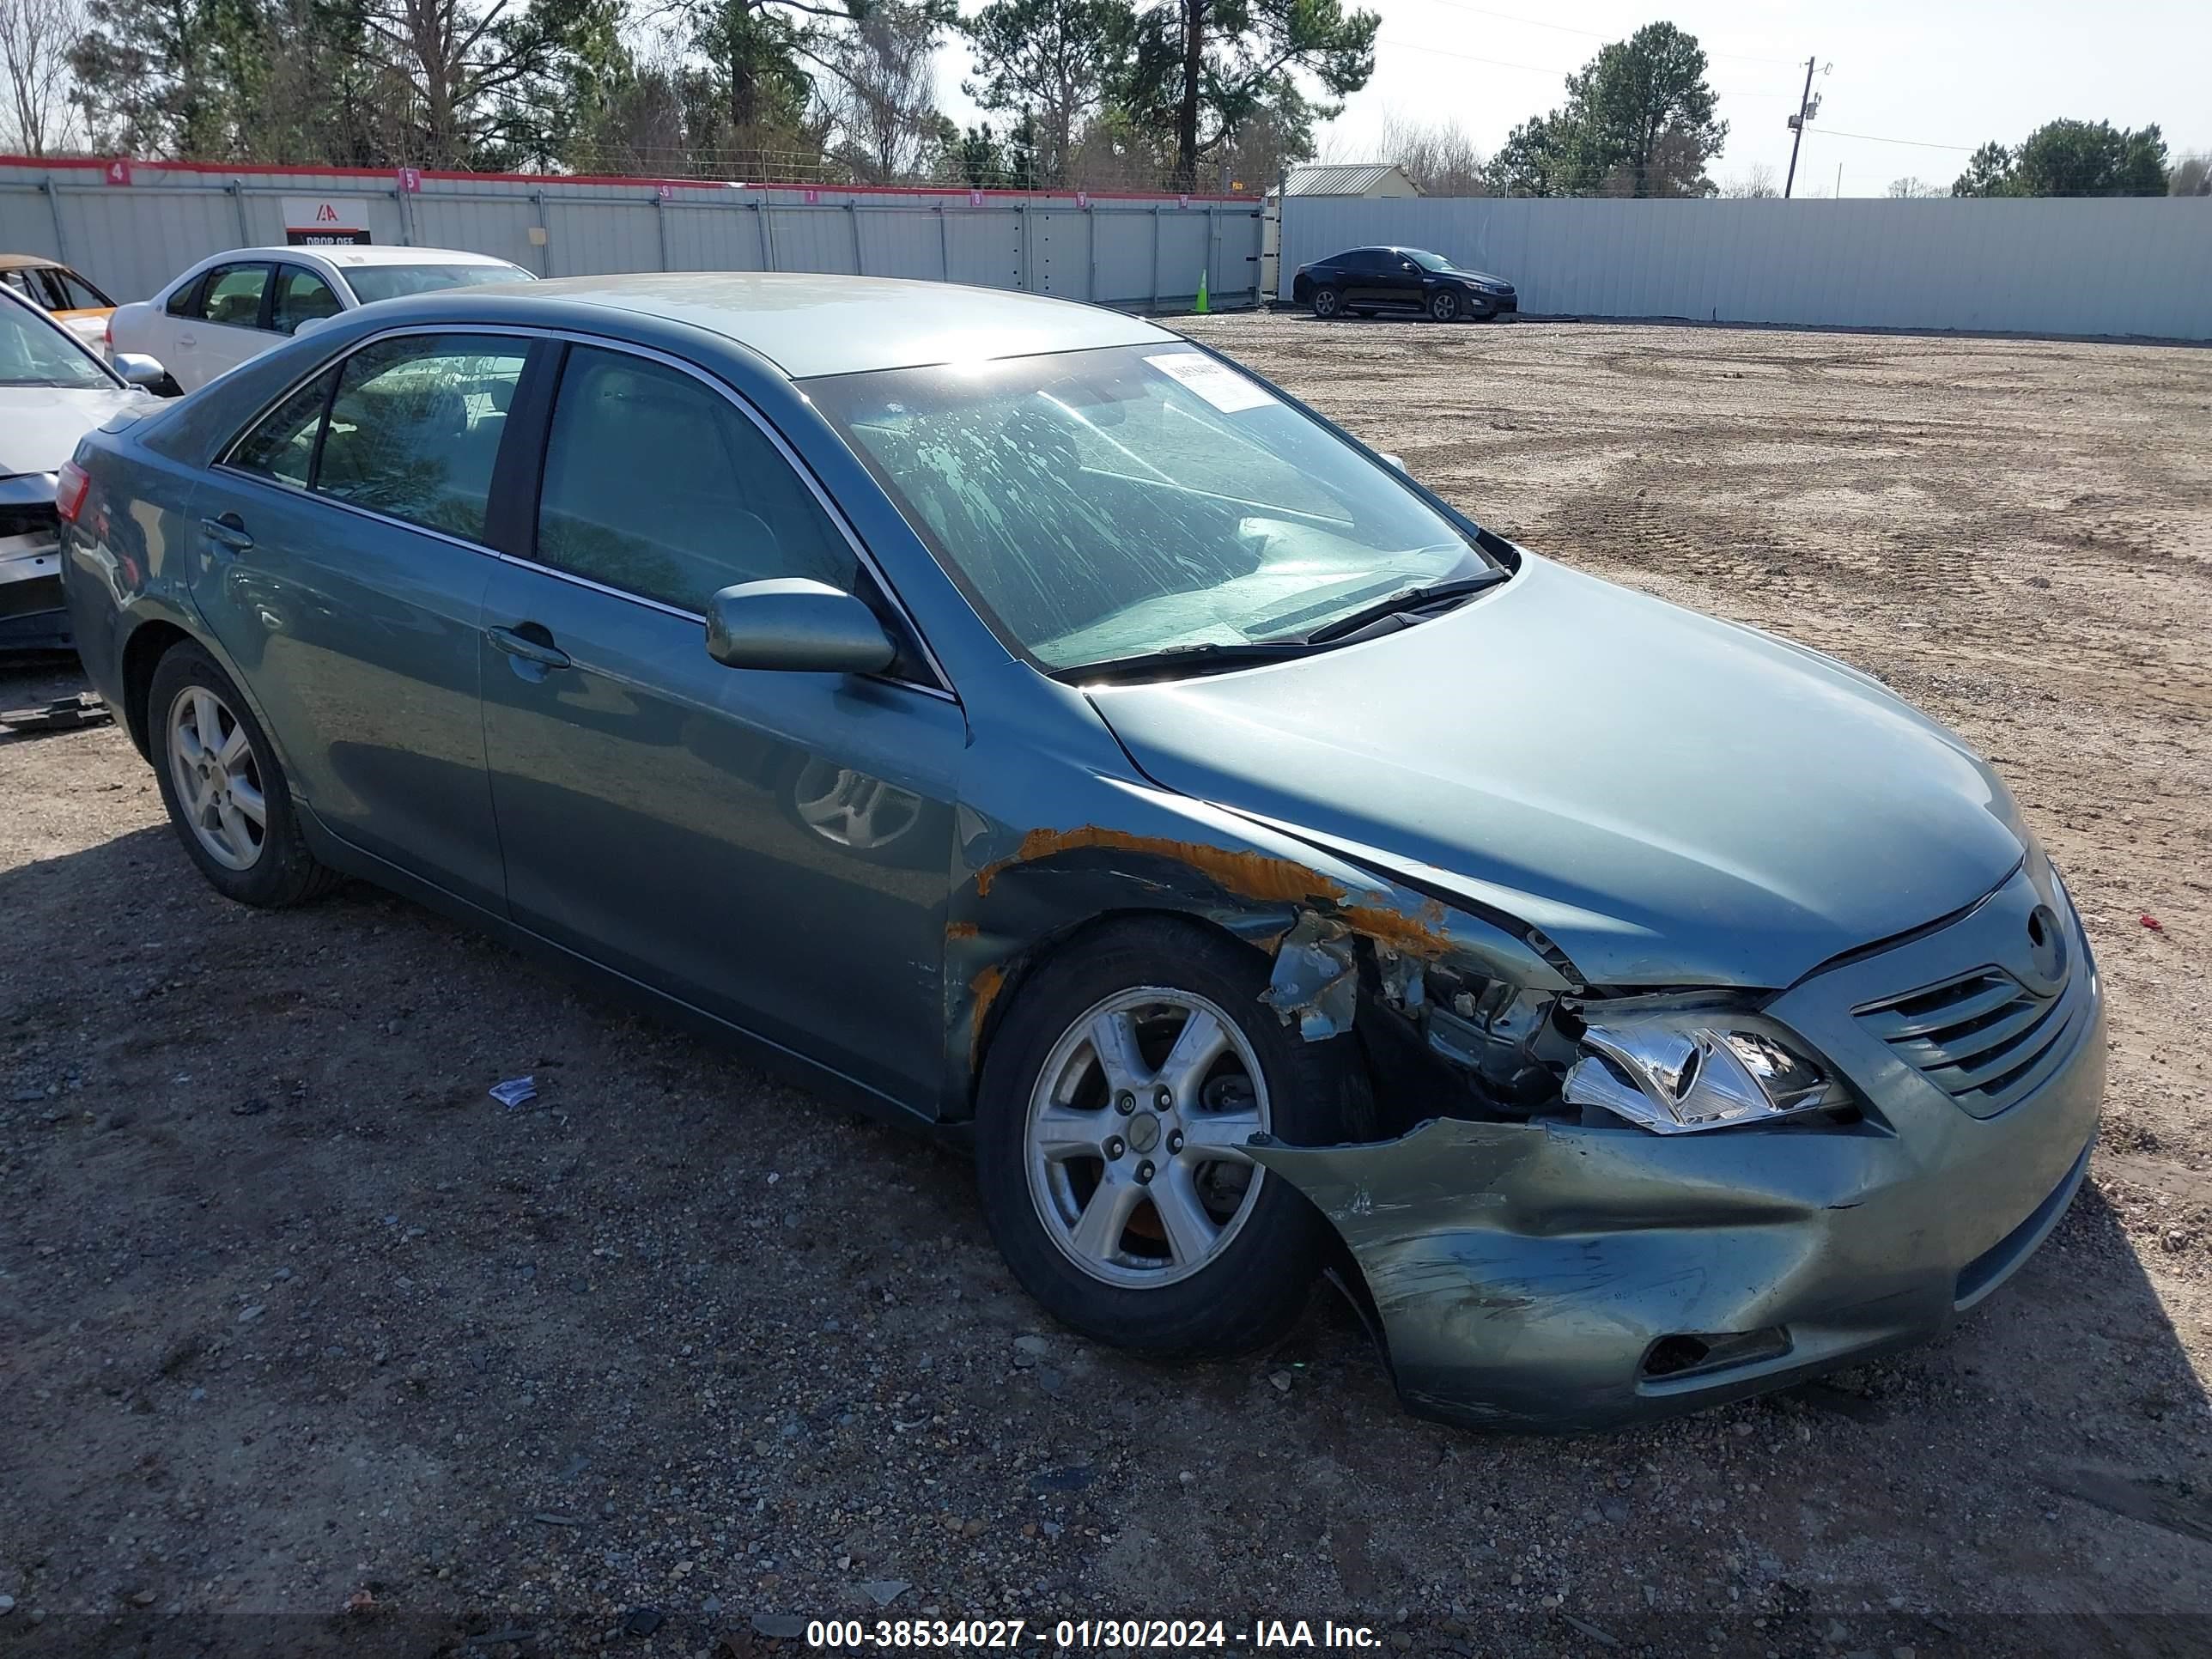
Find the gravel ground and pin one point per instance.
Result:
(295, 1320)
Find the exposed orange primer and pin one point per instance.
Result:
(1420, 932)
(984, 990)
(1249, 874)
(960, 930)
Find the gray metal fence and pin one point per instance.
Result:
(2104, 266)
(130, 230)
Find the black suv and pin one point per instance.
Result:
(1371, 279)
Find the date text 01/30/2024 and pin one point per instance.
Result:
(1089, 1635)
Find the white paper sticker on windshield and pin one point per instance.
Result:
(1218, 384)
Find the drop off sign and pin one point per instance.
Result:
(325, 221)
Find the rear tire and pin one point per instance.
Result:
(1328, 302)
(226, 794)
(1115, 1217)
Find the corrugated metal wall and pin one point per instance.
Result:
(1132, 253)
(2128, 266)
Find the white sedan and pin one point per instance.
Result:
(233, 306)
(53, 391)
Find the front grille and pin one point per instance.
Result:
(1984, 1039)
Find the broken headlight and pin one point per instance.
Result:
(1675, 1074)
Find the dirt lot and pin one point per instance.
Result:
(291, 1313)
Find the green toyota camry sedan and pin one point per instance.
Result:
(1016, 719)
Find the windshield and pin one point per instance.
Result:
(373, 282)
(35, 352)
(1428, 261)
(1097, 506)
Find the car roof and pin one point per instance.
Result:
(30, 262)
(810, 325)
(342, 254)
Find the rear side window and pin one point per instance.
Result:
(414, 428)
(282, 447)
(233, 295)
(656, 484)
(301, 296)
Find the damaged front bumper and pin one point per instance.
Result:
(32, 617)
(1554, 1275)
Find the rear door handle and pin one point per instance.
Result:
(515, 643)
(188, 340)
(228, 532)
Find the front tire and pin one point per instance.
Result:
(1444, 307)
(1328, 302)
(226, 794)
(1112, 1107)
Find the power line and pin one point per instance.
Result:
(1440, 52)
(1876, 139)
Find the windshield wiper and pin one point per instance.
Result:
(1405, 600)
(1201, 658)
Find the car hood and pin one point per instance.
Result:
(1482, 276)
(40, 425)
(1673, 799)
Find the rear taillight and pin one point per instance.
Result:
(71, 484)
(108, 331)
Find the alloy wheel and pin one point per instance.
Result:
(1135, 1134)
(217, 778)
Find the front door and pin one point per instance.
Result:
(771, 848)
(343, 567)
(1401, 279)
(232, 325)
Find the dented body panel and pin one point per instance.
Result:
(1524, 1274)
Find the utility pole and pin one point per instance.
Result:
(1806, 106)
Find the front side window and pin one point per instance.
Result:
(301, 296)
(657, 485)
(414, 428)
(233, 295)
(373, 282)
(1097, 506)
(34, 351)
(282, 447)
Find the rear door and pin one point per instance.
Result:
(342, 566)
(772, 847)
(1369, 283)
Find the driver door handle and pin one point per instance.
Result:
(517, 643)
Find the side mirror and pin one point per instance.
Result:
(1398, 461)
(793, 623)
(308, 325)
(139, 369)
